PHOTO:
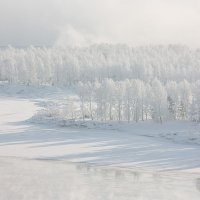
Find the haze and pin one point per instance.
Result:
(82, 22)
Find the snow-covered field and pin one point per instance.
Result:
(120, 163)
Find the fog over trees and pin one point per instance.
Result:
(114, 82)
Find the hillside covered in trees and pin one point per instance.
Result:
(114, 82)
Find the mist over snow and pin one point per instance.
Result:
(113, 84)
(82, 22)
(150, 47)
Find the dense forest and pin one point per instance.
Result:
(114, 82)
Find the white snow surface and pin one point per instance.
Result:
(46, 161)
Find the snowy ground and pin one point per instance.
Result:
(147, 167)
(98, 147)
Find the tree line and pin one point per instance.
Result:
(135, 100)
(114, 82)
(67, 66)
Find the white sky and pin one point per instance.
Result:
(79, 22)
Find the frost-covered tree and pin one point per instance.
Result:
(159, 102)
(195, 106)
(114, 82)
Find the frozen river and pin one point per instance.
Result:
(40, 180)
